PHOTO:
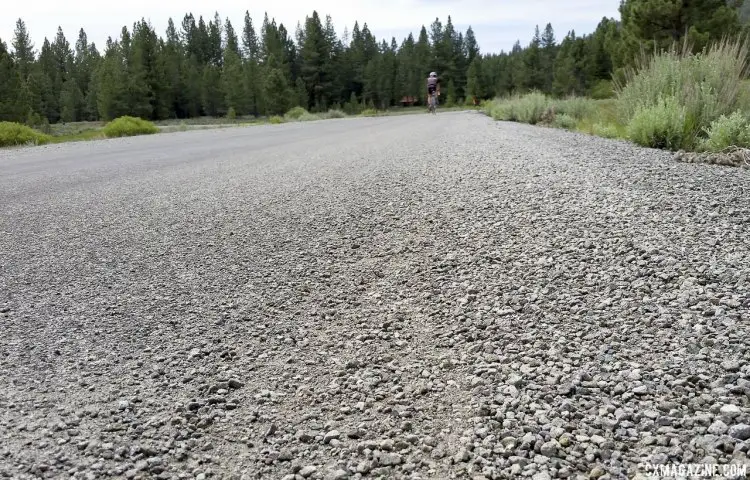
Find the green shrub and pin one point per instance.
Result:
(576, 107)
(563, 120)
(33, 119)
(45, 127)
(602, 90)
(128, 126)
(276, 119)
(604, 130)
(231, 114)
(706, 85)
(12, 133)
(308, 117)
(498, 110)
(725, 132)
(335, 113)
(530, 108)
(296, 113)
(369, 112)
(659, 126)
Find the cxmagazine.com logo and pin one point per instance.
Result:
(694, 470)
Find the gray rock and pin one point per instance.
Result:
(731, 365)
(285, 456)
(740, 431)
(718, 428)
(549, 449)
(731, 411)
(333, 434)
(463, 455)
(303, 436)
(339, 475)
(597, 472)
(640, 390)
(363, 467)
(387, 459)
(308, 471)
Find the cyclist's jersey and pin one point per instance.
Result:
(432, 83)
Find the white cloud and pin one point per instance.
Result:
(497, 23)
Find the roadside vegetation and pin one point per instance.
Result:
(12, 134)
(693, 103)
(128, 126)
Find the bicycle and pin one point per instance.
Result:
(432, 108)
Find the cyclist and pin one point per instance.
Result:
(433, 87)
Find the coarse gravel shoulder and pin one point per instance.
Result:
(407, 297)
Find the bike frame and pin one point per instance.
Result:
(433, 102)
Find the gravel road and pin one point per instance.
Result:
(397, 297)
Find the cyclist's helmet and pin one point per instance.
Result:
(433, 74)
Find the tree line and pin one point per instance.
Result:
(210, 68)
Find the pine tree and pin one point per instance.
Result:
(203, 42)
(276, 89)
(71, 101)
(193, 87)
(14, 106)
(171, 64)
(47, 82)
(424, 63)
(23, 50)
(314, 54)
(232, 42)
(517, 70)
(570, 70)
(143, 85)
(658, 23)
(86, 60)
(212, 97)
(215, 48)
(332, 68)
(302, 97)
(474, 87)
(233, 86)
(35, 90)
(250, 39)
(370, 88)
(534, 63)
(110, 79)
(549, 52)
(472, 47)
(450, 94)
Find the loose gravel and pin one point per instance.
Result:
(406, 298)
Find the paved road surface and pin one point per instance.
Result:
(397, 297)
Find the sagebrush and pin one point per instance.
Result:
(12, 134)
(127, 126)
(296, 113)
(726, 132)
(662, 125)
(705, 86)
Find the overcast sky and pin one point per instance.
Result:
(496, 23)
